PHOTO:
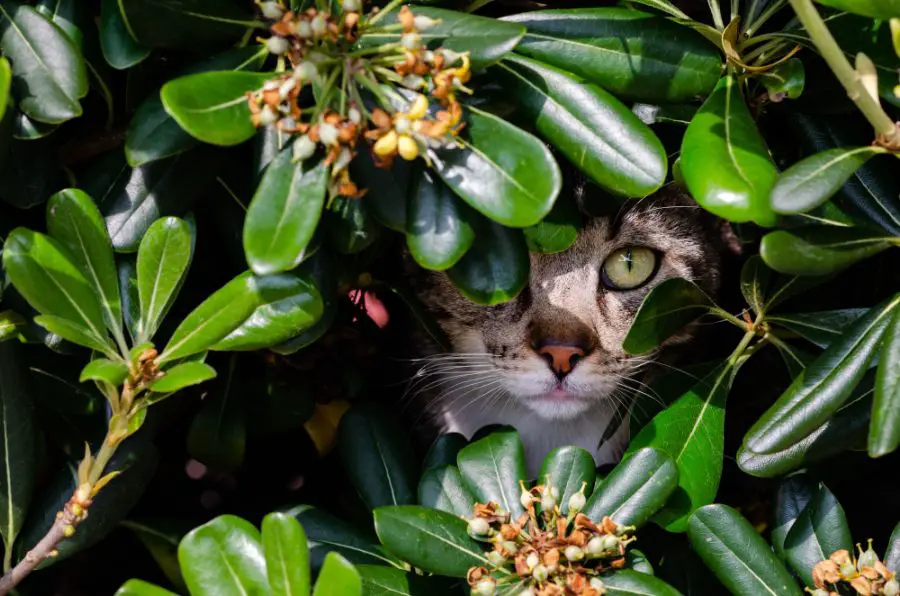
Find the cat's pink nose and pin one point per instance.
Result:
(561, 358)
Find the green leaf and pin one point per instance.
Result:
(284, 213)
(224, 556)
(786, 80)
(815, 179)
(183, 375)
(17, 447)
(495, 269)
(74, 332)
(326, 533)
(338, 578)
(160, 536)
(892, 552)
(824, 385)
(444, 450)
(49, 75)
(636, 488)
(119, 48)
(223, 312)
(878, 9)
(217, 436)
(387, 188)
(492, 468)
(820, 250)
(183, 23)
(666, 310)
(558, 231)
(45, 274)
(377, 456)
(486, 39)
(569, 468)
(820, 328)
(631, 54)
(24, 128)
(589, 126)
(724, 159)
(287, 557)
(820, 530)
(692, 432)
(5, 84)
(737, 554)
(74, 220)
(278, 321)
(755, 281)
(884, 431)
(137, 197)
(443, 489)
(438, 226)
(107, 371)
(502, 171)
(212, 106)
(30, 170)
(12, 324)
(387, 581)
(633, 583)
(153, 134)
(164, 256)
(794, 493)
(137, 587)
(435, 541)
(350, 226)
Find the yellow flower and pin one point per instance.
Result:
(386, 145)
(407, 147)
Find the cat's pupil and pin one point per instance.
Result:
(628, 259)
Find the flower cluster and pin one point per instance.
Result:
(543, 552)
(866, 576)
(401, 97)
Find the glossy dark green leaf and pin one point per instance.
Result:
(183, 375)
(77, 333)
(137, 587)
(388, 581)
(153, 134)
(443, 488)
(879, 9)
(26, 129)
(287, 557)
(737, 554)
(884, 432)
(137, 197)
(183, 23)
(630, 582)
(631, 54)
(589, 126)
(160, 536)
(74, 220)
(636, 489)
(786, 80)
(350, 226)
(492, 468)
(820, 328)
(824, 385)
(12, 324)
(558, 231)
(891, 558)
(45, 274)
(386, 188)
(120, 49)
(487, 39)
(692, 432)
(17, 447)
(793, 495)
(502, 171)
(164, 256)
(666, 310)
(724, 159)
(284, 214)
(495, 269)
(431, 540)
(326, 533)
(377, 456)
(5, 84)
(108, 371)
(31, 170)
(820, 530)
(275, 322)
(812, 181)
(755, 281)
(338, 577)
(212, 106)
(438, 228)
(128, 293)
(570, 469)
(444, 450)
(218, 433)
(820, 250)
(223, 312)
(224, 556)
(49, 75)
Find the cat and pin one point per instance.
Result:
(550, 362)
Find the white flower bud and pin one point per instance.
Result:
(316, 57)
(423, 23)
(547, 501)
(576, 502)
(401, 125)
(526, 592)
(328, 134)
(891, 588)
(525, 498)
(319, 25)
(496, 558)
(303, 30)
(343, 160)
(510, 547)
(267, 116)
(306, 71)
(595, 546)
(412, 81)
(597, 584)
(277, 45)
(555, 492)
(303, 148)
(271, 10)
(286, 88)
(354, 116)
(532, 560)
(610, 542)
(867, 558)
(411, 41)
(485, 587)
(478, 525)
(540, 573)
(352, 5)
(573, 553)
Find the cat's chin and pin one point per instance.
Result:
(557, 405)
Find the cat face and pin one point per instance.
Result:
(556, 350)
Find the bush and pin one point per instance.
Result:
(213, 197)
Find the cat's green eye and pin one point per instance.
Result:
(628, 268)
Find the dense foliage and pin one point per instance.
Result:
(211, 197)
